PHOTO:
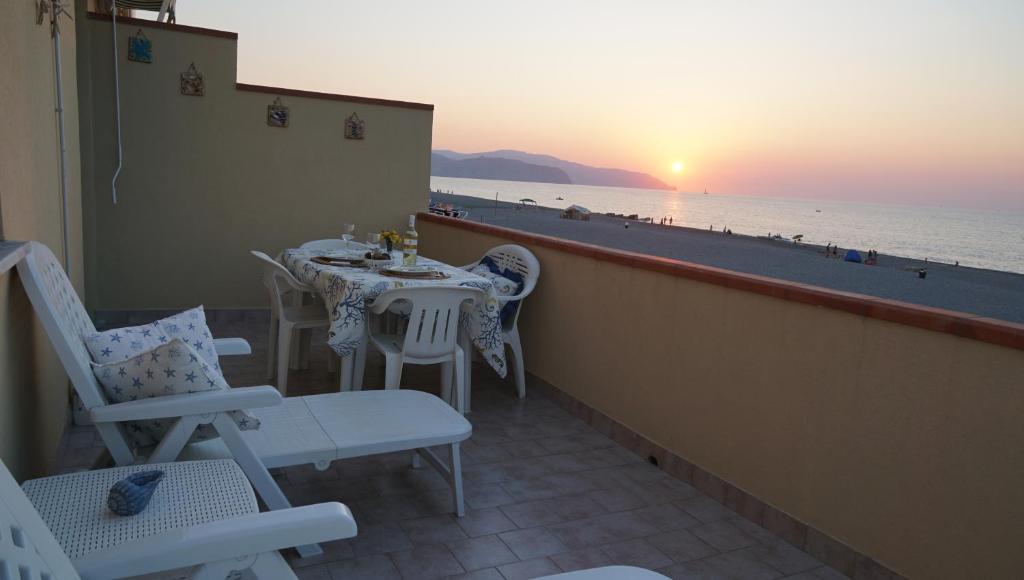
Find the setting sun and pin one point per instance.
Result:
(677, 166)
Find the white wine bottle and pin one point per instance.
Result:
(410, 242)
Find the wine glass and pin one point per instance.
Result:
(346, 232)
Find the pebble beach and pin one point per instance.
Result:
(978, 291)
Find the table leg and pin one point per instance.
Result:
(359, 369)
(345, 374)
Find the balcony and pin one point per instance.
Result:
(683, 418)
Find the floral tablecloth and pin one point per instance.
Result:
(346, 290)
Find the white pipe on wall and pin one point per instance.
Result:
(56, 8)
(117, 103)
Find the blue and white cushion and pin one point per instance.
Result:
(172, 368)
(123, 343)
(190, 326)
(506, 283)
(502, 285)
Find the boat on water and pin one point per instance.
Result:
(560, 198)
(705, 190)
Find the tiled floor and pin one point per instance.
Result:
(544, 492)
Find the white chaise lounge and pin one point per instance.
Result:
(202, 523)
(315, 429)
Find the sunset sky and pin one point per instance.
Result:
(909, 101)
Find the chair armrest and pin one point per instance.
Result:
(217, 541)
(231, 346)
(187, 404)
(513, 298)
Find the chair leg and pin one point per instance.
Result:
(517, 361)
(218, 570)
(284, 351)
(456, 467)
(272, 346)
(459, 401)
(302, 338)
(305, 347)
(467, 350)
(446, 381)
(256, 472)
(392, 371)
(270, 566)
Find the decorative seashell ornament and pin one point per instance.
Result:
(130, 496)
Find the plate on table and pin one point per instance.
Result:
(424, 272)
(338, 260)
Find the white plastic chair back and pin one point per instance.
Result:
(517, 259)
(433, 317)
(278, 280)
(27, 548)
(331, 244)
(65, 320)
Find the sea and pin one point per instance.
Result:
(972, 237)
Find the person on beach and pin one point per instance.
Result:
(625, 225)
(669, 220)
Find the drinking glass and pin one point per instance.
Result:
(346, 232)
(373, 240)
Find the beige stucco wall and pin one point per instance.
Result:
(903, 443)
(33, 386)
(205, 179)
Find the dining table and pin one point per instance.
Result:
(348, 289)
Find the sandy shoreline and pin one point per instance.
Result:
(978, 291)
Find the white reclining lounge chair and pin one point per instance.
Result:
(316, 429)
(202, 522)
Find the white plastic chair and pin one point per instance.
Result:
(315, 429)
(286, 321)
(522, 261)
(329, 245)
(430, 335)
(203, 522)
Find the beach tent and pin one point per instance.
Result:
(852, 256)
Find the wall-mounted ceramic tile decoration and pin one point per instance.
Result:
(277, 114)
(140, 49)
(192, 82)
(355, 128)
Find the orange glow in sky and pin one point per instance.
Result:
(916, 101)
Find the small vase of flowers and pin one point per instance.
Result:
(390, 239)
